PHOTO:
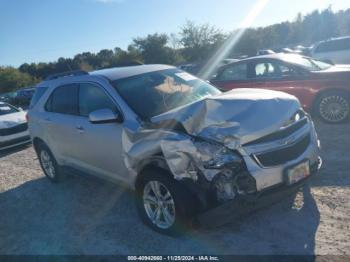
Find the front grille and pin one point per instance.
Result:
(281, 134)
(14, 130)
(283, 155)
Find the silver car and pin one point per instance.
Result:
(181, 144)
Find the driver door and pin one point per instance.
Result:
(101, 150)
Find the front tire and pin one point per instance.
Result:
(48, 163)
(333, 107)
(163, 204)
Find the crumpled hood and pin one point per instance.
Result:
(11, 120)
(236, 117)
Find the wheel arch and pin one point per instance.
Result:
(36, 142)
(158, 161)
(154, 161)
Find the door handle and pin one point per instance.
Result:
(80, 129)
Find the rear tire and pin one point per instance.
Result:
(48, 163)
(333, 107)
(163, 204)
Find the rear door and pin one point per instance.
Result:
(233, 76)
(60, 121)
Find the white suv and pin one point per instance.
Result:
(184, 146)
(335, 50)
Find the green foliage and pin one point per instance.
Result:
(154, 50)
(194, 43)
(200, 41)
(12, 79)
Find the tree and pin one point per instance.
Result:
(200, 41)
(12, 79)
(154, 49)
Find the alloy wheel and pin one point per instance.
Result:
(47, 164)
(159, 204)
(334, 108)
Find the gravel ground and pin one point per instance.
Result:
(84, 215)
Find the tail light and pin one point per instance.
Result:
(27, 117)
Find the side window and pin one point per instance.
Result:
(92, 98)
(234, 72)
(343, 44)
(287, 71)
(335, 45)
(64, 100)
(266, 70)
(320, 48)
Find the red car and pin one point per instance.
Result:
(322, 88)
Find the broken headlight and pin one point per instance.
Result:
(215, 156)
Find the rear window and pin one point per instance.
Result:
(39, 91)
(235, 72)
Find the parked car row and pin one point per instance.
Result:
(332, 51)
(20, 98)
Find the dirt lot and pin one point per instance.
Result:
(84, 215)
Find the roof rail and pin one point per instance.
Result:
(65, 74)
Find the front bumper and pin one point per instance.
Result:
(245, 204)
(269, 176)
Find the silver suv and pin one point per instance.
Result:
(181, 144)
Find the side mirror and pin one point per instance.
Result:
(20, 109)
(103, 116)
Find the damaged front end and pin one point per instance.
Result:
(218, 170)
(225, 169)
(212, 171)
(212, 145)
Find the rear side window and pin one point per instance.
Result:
(264, 70)
(39, 92)
(64, 100)
(234, 72)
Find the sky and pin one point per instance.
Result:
(44, 30)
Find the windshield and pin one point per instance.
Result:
(154, 93)
(307, 62)
(7, 109)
